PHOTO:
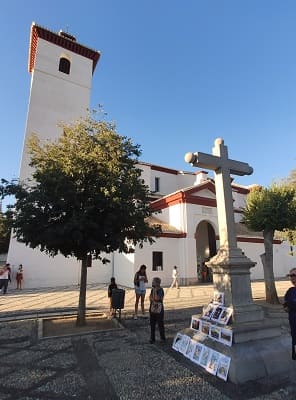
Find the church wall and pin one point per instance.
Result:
(146, 174)
(55, 96)
(171, 256)
(169, 182)
(198, 213)
(282, 261)
(48, 57)
(41, 270)
(124, 268)
(239, 199)
(185, 180)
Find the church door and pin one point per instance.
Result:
(205, 249)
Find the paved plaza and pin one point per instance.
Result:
(114, 364)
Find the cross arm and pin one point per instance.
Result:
(215, 163)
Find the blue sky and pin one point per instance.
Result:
(173, 75)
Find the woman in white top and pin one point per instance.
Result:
(140, 281)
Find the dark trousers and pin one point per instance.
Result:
(292, 321)
(4, 284)
(157, 318)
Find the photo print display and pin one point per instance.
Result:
(190, 349)
(218, 298)
(208, 311)
(205, 356)
(213, 362)
(195, 323)
(197, 352)
(226, 336)
(215, 332)
(184, 344)
(225, 315)
(217, 313)
(205, 327)
(223, 367)
(177, 341)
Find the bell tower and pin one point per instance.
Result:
(61, 77)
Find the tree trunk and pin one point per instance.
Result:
(267, 261)
(80, 321)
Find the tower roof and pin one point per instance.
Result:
(61, 39)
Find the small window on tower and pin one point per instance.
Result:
(64, 65)
(156, 184)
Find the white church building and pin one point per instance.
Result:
(184, 202)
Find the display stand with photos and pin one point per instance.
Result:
(205, 342)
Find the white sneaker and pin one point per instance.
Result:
(135, 317)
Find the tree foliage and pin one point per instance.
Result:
(5, 229)
(289, 234)
(268, 210)
(86, 196)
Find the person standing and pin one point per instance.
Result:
(156, 310)
(112, 286)
(140, 281)
(4, 277)
(290, 307)
(175, 276)
(204, 272)
(19, 277)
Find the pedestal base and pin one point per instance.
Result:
(259, 351)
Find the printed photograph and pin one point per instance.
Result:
(184, 344)
(226, 336)
(177, 341)
(195, 322)
(223, 367)
(218, 298)
(197, 352)
(225, 315)
(205, 356)
(217, 313)
(213, 362)
(205, 327)
(190, 349)
(215, 332)
(208, 311)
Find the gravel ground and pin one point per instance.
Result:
(117, 364)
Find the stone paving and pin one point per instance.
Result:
(115, 364)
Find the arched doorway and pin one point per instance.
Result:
(205, 249)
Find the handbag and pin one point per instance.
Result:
(155, 306)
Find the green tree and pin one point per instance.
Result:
(86, 197)
(5, 229)
(289, 234)
(268, 210)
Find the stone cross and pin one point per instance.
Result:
(231, 268)
(223, 167)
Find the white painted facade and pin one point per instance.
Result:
(186, 200)
(55, 97)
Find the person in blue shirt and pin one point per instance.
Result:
(290, 307)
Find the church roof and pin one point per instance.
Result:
(61, 39)
(166, 228)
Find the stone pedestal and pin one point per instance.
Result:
(258, 359)
(231, 275)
